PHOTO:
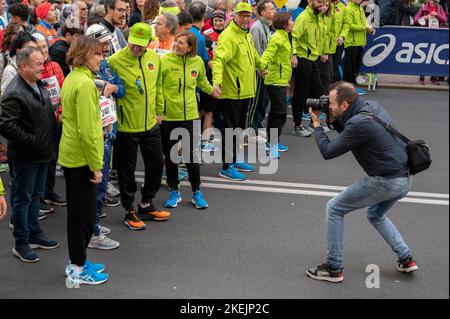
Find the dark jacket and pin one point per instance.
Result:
(27, 121)
(396, 12)
(58, 53)
(376, 149)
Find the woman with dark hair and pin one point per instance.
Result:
(179, 110)
(143, 10)
(81, 156)
(278, 57)
(8, 37)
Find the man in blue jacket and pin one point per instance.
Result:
(383, 158)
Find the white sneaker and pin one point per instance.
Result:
(104, 230)
(360, 79)
(112, 191)
(257, 139)
(103, 243)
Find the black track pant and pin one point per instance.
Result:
(352, 63)
(193, 167)
(278, 110)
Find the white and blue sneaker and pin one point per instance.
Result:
(209, 147)
(199, 201)
(360, 91)
(243, 167)
(174, 199)
(98, 268)
(273, 152)
(282, 148)
(182, 174)
(87, 277)
(306, 116)
(232, 173)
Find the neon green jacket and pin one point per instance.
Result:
(338, 11)
(307, 39)
(180, 76)
(235, 63)
(136, 110)
(329, 41)
(278, 57)
(2, 190)
(82, 135)
(355, 23)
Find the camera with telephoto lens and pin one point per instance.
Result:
(321, 104)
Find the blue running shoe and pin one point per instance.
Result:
(174, 199)
(182, 174)
(323, 117)
(360, 91)
(243, 167)
(98, 268)
(273, 152)
(306, 116)
(232, 174)
(209, 147)
(282, 148)
(199, 201)
(87, 277)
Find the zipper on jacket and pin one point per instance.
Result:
(121, 114)
(281, 70)
(145, 88)
(165, 102)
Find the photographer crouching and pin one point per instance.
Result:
(383, 158)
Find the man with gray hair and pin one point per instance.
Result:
(27, 121)
(165, 29)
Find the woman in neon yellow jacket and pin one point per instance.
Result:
(81, 156)
(278, 56)
(3, 206)
(181, 72)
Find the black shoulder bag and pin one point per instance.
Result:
(419, 157)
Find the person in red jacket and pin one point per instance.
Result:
(52, 78)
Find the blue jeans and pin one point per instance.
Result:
(27, 189)
(379, 195)
(103, 186)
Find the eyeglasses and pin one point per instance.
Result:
(121, 10)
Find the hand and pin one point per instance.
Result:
(216, 92)
(324, 58)
(340, 41)
(97, 177)
(263, 73)
(294, 61)
(371, 29)
(315, 117)
(109, 89)
(434, 13)
(159, 119)
(3, 207)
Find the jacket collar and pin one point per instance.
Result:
(353, 109)
(86, 71)
(46, 25)
(30, 89)
(127, 53)
(234, 27)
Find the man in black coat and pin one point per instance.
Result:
(27, 121)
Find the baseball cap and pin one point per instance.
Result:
(140, 34)
(243, 7)
(218, 14)
(98, 32)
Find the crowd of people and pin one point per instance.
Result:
(91, 84)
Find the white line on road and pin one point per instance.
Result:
(229, 185)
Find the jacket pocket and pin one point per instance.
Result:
(121, 114)
(281, 71)
(238, 85)
(165, 106)
(179, 85)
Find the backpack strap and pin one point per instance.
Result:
(387, 126)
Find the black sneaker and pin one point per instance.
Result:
(42, 215)
(110, 202)
(45, 209)
(326, 273)
(133, 222)
(55, 200)
(150, 212)
(113, 177)
(407, 265)
(102, 215)
(43, 243)
(25, 254)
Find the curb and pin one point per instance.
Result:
(411, 86)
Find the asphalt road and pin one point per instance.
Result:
(257, 241)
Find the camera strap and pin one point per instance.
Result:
(387, 126)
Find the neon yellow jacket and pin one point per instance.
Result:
(180, 76)
(338, 11)
(136, 110)
(307, 39)
(329, 41)
(355, 23)
(278, 57)
(2, 190)
(82, 135)
(235, 63)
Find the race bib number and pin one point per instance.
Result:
(115, 42)
(162, 52)
(433, 23)
(54, 91)
(108, 111)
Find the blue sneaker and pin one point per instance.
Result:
(209, 147)
(98, 268)
(243, 167)
(87, 277)
(174, 199)
(306, 116)
(273, 152)
(43, 243)
(199, 201)
(232, 174)
(182, 174)
(360, 91)
(322, 117)
(282, 148)
(25, 254)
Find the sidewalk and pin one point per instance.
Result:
(407, 82)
